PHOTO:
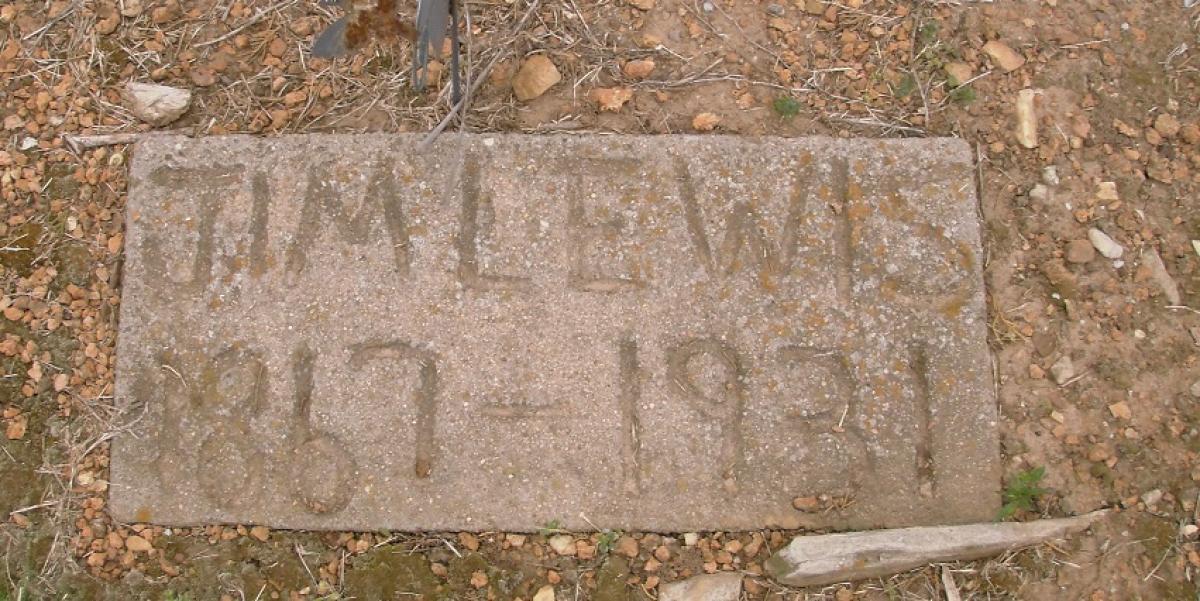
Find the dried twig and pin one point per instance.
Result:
(475, 82)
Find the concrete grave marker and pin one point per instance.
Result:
(652, 333)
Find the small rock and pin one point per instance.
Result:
(155, 104)
(611, 99)
(1004, 57)
(638, 69)
(278, 47)
(1039, 192)
(642, 4)
(1105, 245)
(1027, 133)
(806, 504)
(1045, 341)
(1151, 498)
(781, 25)
(203, 76)
(1158, 274)
(724, 586)
(691, 538)
(536, 75)
(1188, 530)
(1080, 251)
(1120, 410)
(1195, 389)
(627, 546)
(16, 428)
(775, 10)
(131, 8)
(814, 7)
(1063, 280)
(479, 579)
(705, 122)
(162, 15)
(546, 593)
(563, 544)
(261, 533)
(1063, 370)
(1190, 133)
(138, 544)
(468, 540)
(960, 72)
(1107, 191)
(515, 540)
(1167, 125)
(1050, 175)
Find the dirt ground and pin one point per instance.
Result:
(1096, 357)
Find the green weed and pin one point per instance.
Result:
(551, 527)
(608, 538)
(1022, 491)
(786, 107)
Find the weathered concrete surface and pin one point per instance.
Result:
(659, 333)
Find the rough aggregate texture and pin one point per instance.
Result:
(333, 332)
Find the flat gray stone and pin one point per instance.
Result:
(651, 333)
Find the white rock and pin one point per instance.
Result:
(722, 586)
(1039, 192)
(155, 104)
(1107, 191)
(829, 558)
(1152, 498)
(1196, 246)
(1158, 273)
(546, 593)
(691, 538)
(1195, 389)
(1105, 245)
(1050, 175)
(1063, 369)
(563, 544)
(1027, 133)
(1188, 530)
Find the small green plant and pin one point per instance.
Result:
(1022, 491)
(908, 85)
(962, 95)
(927, 34)
(551, 527)
(608, 538)
(786, 107)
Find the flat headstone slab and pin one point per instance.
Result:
(653, 333)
